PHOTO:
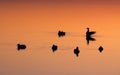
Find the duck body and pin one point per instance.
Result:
(54, 47)
(21, 46)
(76, 51)
(89, 33)
(61, 33)
(100, 49)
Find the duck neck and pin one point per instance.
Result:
(88, 29)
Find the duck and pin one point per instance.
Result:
(21, 46)
(61, 33)
(100, 49)
(76, 51)
(54, 47)
(89, 33)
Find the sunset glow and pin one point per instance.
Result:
(36, 23)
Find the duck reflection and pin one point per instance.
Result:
(100, 49)
(61, 33)
(21, 46)
(76, 51)
(54, 47)
(89, 36)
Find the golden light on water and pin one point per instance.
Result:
(36, 24)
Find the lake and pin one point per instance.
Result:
(36, 24)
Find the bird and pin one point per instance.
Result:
(54, 47)
(89, 33)
(61, 33)
(89, 36)
(21, 46)
(76, 51)
(100, 49)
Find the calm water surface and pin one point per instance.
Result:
(37, 26)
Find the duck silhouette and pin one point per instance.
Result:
(61, 33)
(21, 46)
(54, 47)
(100, 49)
(89, 33)
(76, 51)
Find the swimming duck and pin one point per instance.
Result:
(61, 33)
(89, 33)
(76, 51)
(54, 47)
(21, 46)
(100, 49)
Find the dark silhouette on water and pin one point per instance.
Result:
(21, 46)
(61, 33)
(100, 49)
(89, 36)
(54, 48)
(76, 51)
(90, 33)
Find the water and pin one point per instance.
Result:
(37, 24)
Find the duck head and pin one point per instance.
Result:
(87, 28)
